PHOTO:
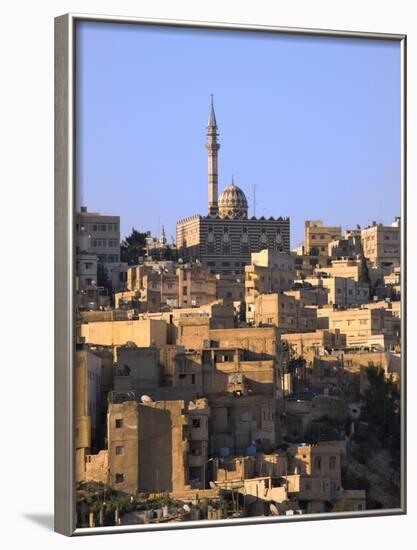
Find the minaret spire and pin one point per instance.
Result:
(212, 147)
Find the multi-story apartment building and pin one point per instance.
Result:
(363, 326)
(269, 271)
(342, 291)
(382, 245)
(153, 286)
(348, 246)
(103, 234)
(318, 236)
(158, 446)
(87, 383)
(99, 236)
(285, 312)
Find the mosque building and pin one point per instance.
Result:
(225, 238)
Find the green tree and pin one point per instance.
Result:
(363, 276)
(103, 279)
(381, 409)
(133, 247)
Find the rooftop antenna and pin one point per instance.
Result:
(254, 200)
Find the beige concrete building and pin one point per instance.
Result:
(349, 246)
(142, 332)
(342, 291)
(239, 424)
(284, 312)
(158, 446)
(346, 268)
(87, 406)
(98, 240)
(225, 238)
(382, 245)
(230, 288)
(309, 295)
(102, 232)
(361, 325)
(196, 285)
(269, 271)
(311, 344)
(318, 236)
(158, 285)
(306, 264)
(317, 477)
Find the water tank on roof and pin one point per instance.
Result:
(146, 399)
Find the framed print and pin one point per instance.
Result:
(230, 274)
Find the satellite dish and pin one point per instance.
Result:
(212, 485)
(146, 399)
(273, 509)
(186, 508)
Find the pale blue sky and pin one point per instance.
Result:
(313, 122)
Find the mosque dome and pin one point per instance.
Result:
(233, 202)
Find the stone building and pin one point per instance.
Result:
(269, 271)
(311, 344)
(244, 424)
(285, 312)
(382, 245)
(225, 238)
(318, 236)
(142, 332)
(99, 236)
(342, 291)
(158, 446)
(157, 285)
(363, 326)
(348, 246)
(87, 406)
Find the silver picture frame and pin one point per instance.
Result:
(65, 188)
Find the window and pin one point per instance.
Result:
(332, 462)
(317, 463)
(119, 422)
(119, 478)
(196, 422)
(120, 450)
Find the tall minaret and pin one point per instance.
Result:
(212, 147)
